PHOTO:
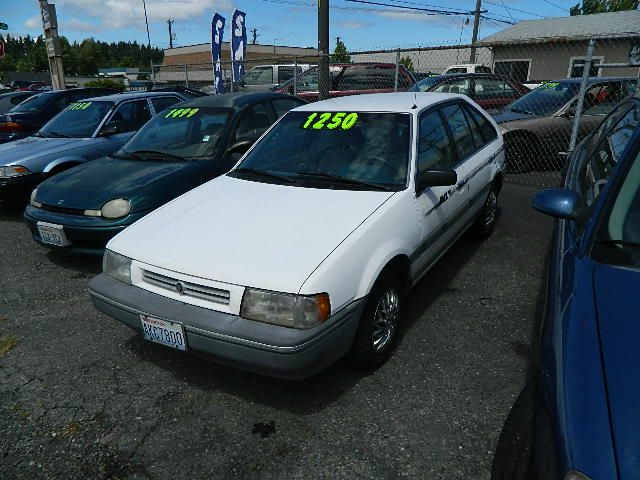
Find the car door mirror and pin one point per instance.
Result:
(558, 203)
(241, 146)
(436, 178)
(109, 129)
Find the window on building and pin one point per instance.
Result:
(576, 66)
(517, 70)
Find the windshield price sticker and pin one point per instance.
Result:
(79, 106)
(181, 112)
(331, 120)
(549, 85)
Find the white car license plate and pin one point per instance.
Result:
(170, 334)
(53, 234)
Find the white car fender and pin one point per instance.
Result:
(350, 270)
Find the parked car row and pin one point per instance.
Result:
(285, 258)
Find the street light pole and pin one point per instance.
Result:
(146, 20)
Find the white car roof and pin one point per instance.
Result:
(401, 102)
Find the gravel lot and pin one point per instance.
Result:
(81, 396)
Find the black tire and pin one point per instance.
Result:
(365, 353)
(486, 222)
(513, 459)
(518, 155)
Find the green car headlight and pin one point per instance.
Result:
(117, 266)
(116, 208)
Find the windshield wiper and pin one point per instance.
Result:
(262, 173)
(623, 243)
(39, 134)
(344, 180)
(59, 135)
(526, 112)
(155, 153)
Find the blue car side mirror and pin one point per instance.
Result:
(558, 202)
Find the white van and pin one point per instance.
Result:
(467, 68)
(266, 77)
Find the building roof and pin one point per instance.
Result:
(401, 102)
(266, 50)
(578, 27)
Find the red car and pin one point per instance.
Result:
(351, 79)
(487, 90)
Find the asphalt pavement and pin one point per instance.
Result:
(84, 397)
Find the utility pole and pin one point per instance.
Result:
(54, 47)
(146, 20)
(255, 35)
(170, 23)
(323, 49)
(476, 26)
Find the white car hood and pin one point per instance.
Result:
(248, 233)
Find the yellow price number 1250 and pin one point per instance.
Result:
(331, 121)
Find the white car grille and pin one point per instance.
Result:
(186, 289)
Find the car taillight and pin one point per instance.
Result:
(9, 126)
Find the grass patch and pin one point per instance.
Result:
(7, 342)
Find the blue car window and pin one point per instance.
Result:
(608, 152)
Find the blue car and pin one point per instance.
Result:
(85, 130)
(579, 417)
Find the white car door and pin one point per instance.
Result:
(437, 206)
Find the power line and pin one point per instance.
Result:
(506, 9)
(429, 11)
(515, 9)
(438, 7)
(556, 5)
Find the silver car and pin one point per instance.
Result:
(86, 130)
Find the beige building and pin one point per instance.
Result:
(540, 50)
(201, 53)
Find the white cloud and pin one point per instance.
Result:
(353, 24)
(33, 23)
(113, 14)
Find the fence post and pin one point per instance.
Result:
(395, 82)
(186, 75)
(295, 75)
(231, 83)
(583, 90)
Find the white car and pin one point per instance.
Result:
(467, 68)
(307, 248)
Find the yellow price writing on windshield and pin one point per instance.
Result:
(330, 120)
(79, 106)
(181, 112)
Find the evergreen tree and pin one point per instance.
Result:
(407, 62)
(340, 54)
(603, 6)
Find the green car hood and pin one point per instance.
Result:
(147, 184)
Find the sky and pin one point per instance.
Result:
(361, 26)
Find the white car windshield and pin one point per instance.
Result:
(348, 148)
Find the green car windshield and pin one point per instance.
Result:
(358, 147)
(182, 133)
(78, 120)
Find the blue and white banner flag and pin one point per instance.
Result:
(217, 29)
(238, 43)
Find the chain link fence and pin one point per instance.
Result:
(546, 94)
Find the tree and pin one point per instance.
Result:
(407, 62)
(340, 54)
(603, 6)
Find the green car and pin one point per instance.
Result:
(81, 209)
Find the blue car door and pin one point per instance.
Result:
(128, 117)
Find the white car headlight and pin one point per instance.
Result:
(115, 208)
(287, 310)
(117, 266)
(13, 171)
(573, 475)
(33, 200)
